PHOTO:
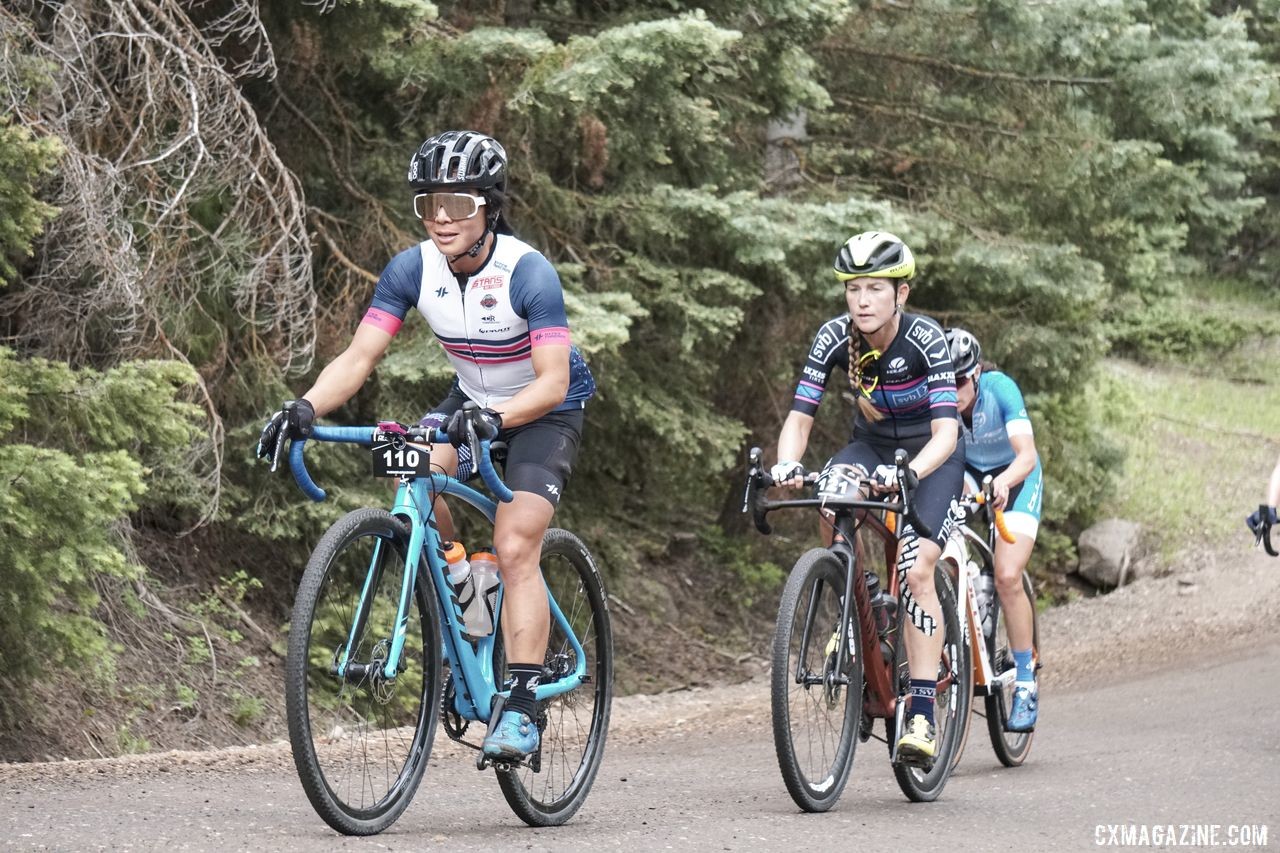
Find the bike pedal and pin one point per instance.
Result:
(920, 762)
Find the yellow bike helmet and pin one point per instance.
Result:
(874, 254)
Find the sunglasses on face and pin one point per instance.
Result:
(456, 205)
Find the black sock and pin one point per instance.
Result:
(922, 695)
(524, 678)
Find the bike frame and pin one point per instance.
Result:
(879, 674)
(852, 515)
(985, 680)
(471, 661)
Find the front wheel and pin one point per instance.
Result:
(816, 696)
(1011, 748)
(553, 785)
(953, 702)
(361, 738)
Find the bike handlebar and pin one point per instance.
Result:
(363, 435)
(983, 498)
(758, 479)
(1262, 533)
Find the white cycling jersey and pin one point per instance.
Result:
(488, 321)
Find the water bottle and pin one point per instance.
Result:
(459, 570)
(880, 601)
(984, 587)
(455, 558)
(479, 608)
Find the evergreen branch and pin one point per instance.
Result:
(888, 109)
(339, 172)
(966, 70)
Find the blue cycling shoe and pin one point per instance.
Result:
(515, 736)
(1026, 704)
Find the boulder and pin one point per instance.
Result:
(1107, 552)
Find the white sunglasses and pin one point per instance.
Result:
(456, 205)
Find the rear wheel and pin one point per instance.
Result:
(1010, 747)
(953, 702)
(816, 698)
(360, 739)
(553, 785)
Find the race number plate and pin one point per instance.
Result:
(394, 457)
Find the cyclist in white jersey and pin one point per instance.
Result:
(497, 308)
(999, 442)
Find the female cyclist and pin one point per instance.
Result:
(900, 371)
(998, 442)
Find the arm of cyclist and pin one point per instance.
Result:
(1021, 466)
(941, 445)
(336, 384)
(792, 442)
(343, 377)
(544, 393)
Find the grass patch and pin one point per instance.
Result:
(1198, 452)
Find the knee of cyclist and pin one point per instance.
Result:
(517, 556)
(1008, 581)
(920, 580)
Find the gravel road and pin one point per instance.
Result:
(1158, 708)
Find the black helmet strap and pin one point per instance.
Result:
(490, 226)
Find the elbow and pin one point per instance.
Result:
(558, 389)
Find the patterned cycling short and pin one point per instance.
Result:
(540, 454)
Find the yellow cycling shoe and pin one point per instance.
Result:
(917, 744)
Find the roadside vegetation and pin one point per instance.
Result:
(195, 202)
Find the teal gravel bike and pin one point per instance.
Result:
(378, 652)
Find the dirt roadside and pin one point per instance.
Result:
(1215, 604)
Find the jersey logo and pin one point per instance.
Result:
(553, 489)
(489, 282)
(489, 300)
(825, 339)
(898, 363)
(921, 333)
(937, 355)
(442, 291)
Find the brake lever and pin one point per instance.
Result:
(757, 478)
(905, 489)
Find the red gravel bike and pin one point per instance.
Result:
(838, 660)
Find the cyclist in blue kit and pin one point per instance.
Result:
(496, 306)
(899, 369)
(999, 442)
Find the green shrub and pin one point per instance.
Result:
(78, 452)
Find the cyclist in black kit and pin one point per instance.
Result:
(899, 367)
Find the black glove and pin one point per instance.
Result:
(1263, 515)
(294, 420)
(488, 424)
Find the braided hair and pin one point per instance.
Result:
(869, 411)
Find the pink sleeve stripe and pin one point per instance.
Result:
(812, 385)
(388, 323)
(550, 336)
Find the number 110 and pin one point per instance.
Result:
(403, 458)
